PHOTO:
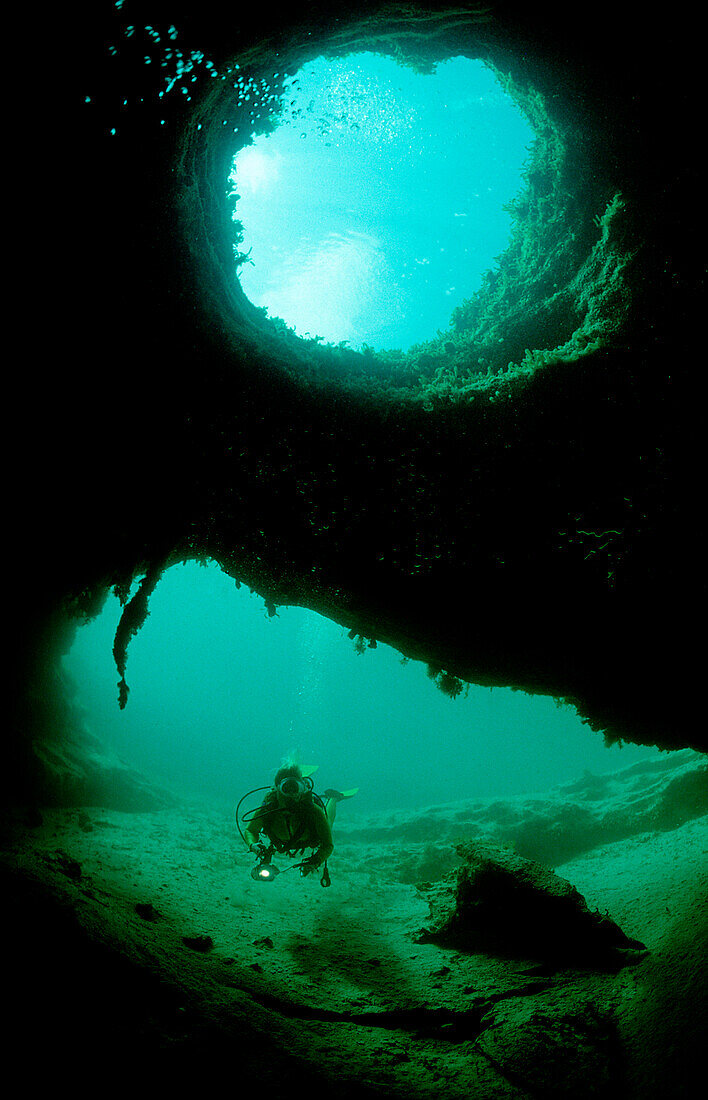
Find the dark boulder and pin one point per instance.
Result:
(500, 903)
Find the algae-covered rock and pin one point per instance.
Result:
(553, 1049)
(81, 771)
(498, 902)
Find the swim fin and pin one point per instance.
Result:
(339, 796)
(308, 769)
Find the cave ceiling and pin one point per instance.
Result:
(522, 512)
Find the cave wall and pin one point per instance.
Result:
(526, 520)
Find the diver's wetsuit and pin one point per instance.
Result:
(292, 828)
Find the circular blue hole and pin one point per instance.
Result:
(380, 199)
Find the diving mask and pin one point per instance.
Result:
(294, 787)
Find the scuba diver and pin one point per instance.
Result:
(292, 818)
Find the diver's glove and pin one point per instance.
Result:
(259, 850)
(308, 866)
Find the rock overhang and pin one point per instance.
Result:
(462, 496)
(528, 524)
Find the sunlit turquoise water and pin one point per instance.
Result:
(378, 204)
(220, 693)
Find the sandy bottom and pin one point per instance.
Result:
(143, 933)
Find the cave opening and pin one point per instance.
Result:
(221, 691)
(372, 196)
(327, 178)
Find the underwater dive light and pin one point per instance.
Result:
(264, 872)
